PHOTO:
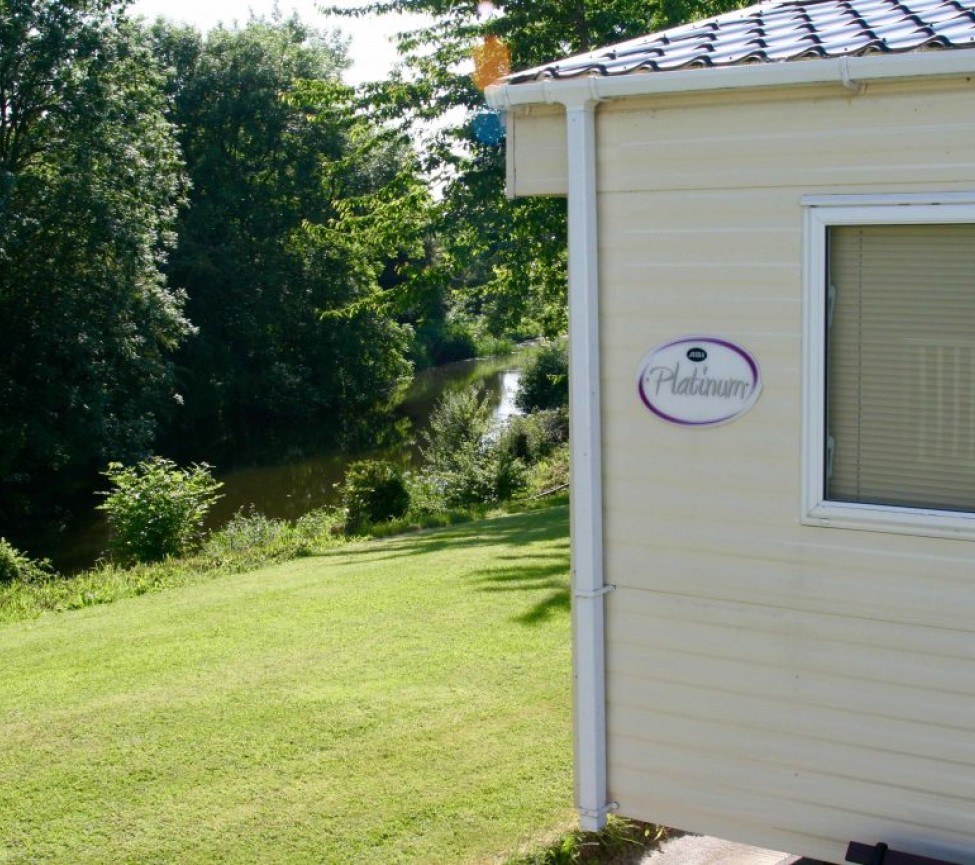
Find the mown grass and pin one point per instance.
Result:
(399, 701)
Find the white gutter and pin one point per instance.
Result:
(586, 469)
(849, 71)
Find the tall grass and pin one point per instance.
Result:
(247, 542)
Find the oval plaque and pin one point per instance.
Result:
(699, 381)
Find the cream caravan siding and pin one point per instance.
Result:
(536, 152)
(790, 686)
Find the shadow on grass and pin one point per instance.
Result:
(517, 530)
(517, 569)
(546, 573)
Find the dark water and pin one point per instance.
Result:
(291, 486)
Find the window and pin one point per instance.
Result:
(889, 425)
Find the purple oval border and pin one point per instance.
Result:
(713, 340)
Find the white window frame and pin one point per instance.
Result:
(820, 213)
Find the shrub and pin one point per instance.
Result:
(545, 380)
(550, 474)
(245, 532)
(319, 527)
(465, 463)
(534, 436)
(156, 509)
(373, 491)
(16, 566)
(250, 539)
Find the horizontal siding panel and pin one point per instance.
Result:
(791, 667)
(707, 479)
(762, 621)
(537, 153)
(721, 699)
(862, 800)
(948, 785)
(710, 564)
(708, 247)
(637, 437)
(926, 169)
(664, 287)
(815, 729)
(631, 211)
(685, 789)
(860, 554)
(735, 144)
(637, 463)
(648, 315)
(681, 799)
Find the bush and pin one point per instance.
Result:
(16, 566)
(545, 381)
(245, 532)
(373, 491)
(534, 436)
(548, 475)
(465, 463)
(250, 539)
(156, 509)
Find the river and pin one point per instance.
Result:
(292, 486)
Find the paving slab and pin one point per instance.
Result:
(705, 850)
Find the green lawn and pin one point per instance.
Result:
(404, 700)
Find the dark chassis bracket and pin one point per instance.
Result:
(878, 854)
(881, 854)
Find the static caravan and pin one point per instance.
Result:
(772, 340)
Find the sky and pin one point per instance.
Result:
(371, 51)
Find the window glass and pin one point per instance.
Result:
(900, 365)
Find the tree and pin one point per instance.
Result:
(287, 232)
(503, 260)
(90, 177)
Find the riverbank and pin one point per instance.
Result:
(284, 481)
(246, 543)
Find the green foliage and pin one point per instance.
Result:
(549, 475)
(545, 380)
(247, 542)
(622, 842)
(439, 340)
(156, 509)
(534, 436)
(15, 566)
(90, 180)
(373, 491)
(251, 539)
(501, 260)
(465, 462)
(299, 210)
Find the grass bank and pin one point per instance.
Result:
(401, 701)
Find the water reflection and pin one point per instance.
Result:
(510, 382)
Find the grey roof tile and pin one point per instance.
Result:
(778, 31)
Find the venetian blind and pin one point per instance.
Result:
(901, 366)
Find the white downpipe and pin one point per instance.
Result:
(586, 474)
